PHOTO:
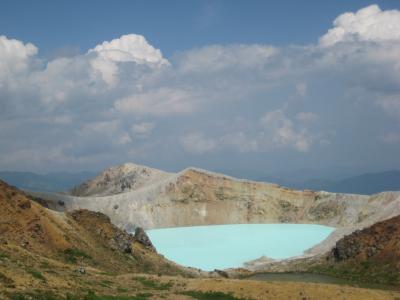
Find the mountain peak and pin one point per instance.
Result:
(118, 179)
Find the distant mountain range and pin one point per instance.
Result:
(367, 184)
(51, 182)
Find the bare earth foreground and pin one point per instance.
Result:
(79, 254)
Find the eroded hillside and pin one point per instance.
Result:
(40, 248)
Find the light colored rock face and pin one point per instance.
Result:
(197, 197)
(119, 179)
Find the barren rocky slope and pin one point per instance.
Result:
(371, 254)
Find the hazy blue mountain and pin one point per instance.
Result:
(367, 184)
(51, 182)
(370, 183)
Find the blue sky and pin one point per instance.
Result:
(171, 25)
(251, 87)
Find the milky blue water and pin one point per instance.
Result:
(227, 246)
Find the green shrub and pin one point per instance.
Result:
(210, 295)
(72, 255)
(3, 255)
(36, 274)
(36, 296)
(93, 296)
(153, 284)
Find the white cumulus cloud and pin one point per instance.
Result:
(127, 48)
(14, 56)
(367, 24)
(130, 47)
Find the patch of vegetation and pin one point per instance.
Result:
(89, 296)
(72, 254)
(45, 265)
(36, 274)
(8, 282)
(106, 283)
(153, 284)
(3, 255)
(36, 296)
(366, 265)
(363, 272)
(211, 295)
(142, 296)
(106, 273)
(93, 296)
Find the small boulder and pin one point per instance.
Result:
(81, 270)
(24, 203)
(24, 244)
(142, 238)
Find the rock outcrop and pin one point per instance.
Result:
(142, 237)
(371, 255)
(101, 225)
(380, 241)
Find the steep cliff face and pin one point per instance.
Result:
(119, 179)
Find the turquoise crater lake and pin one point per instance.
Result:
(229, 246)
